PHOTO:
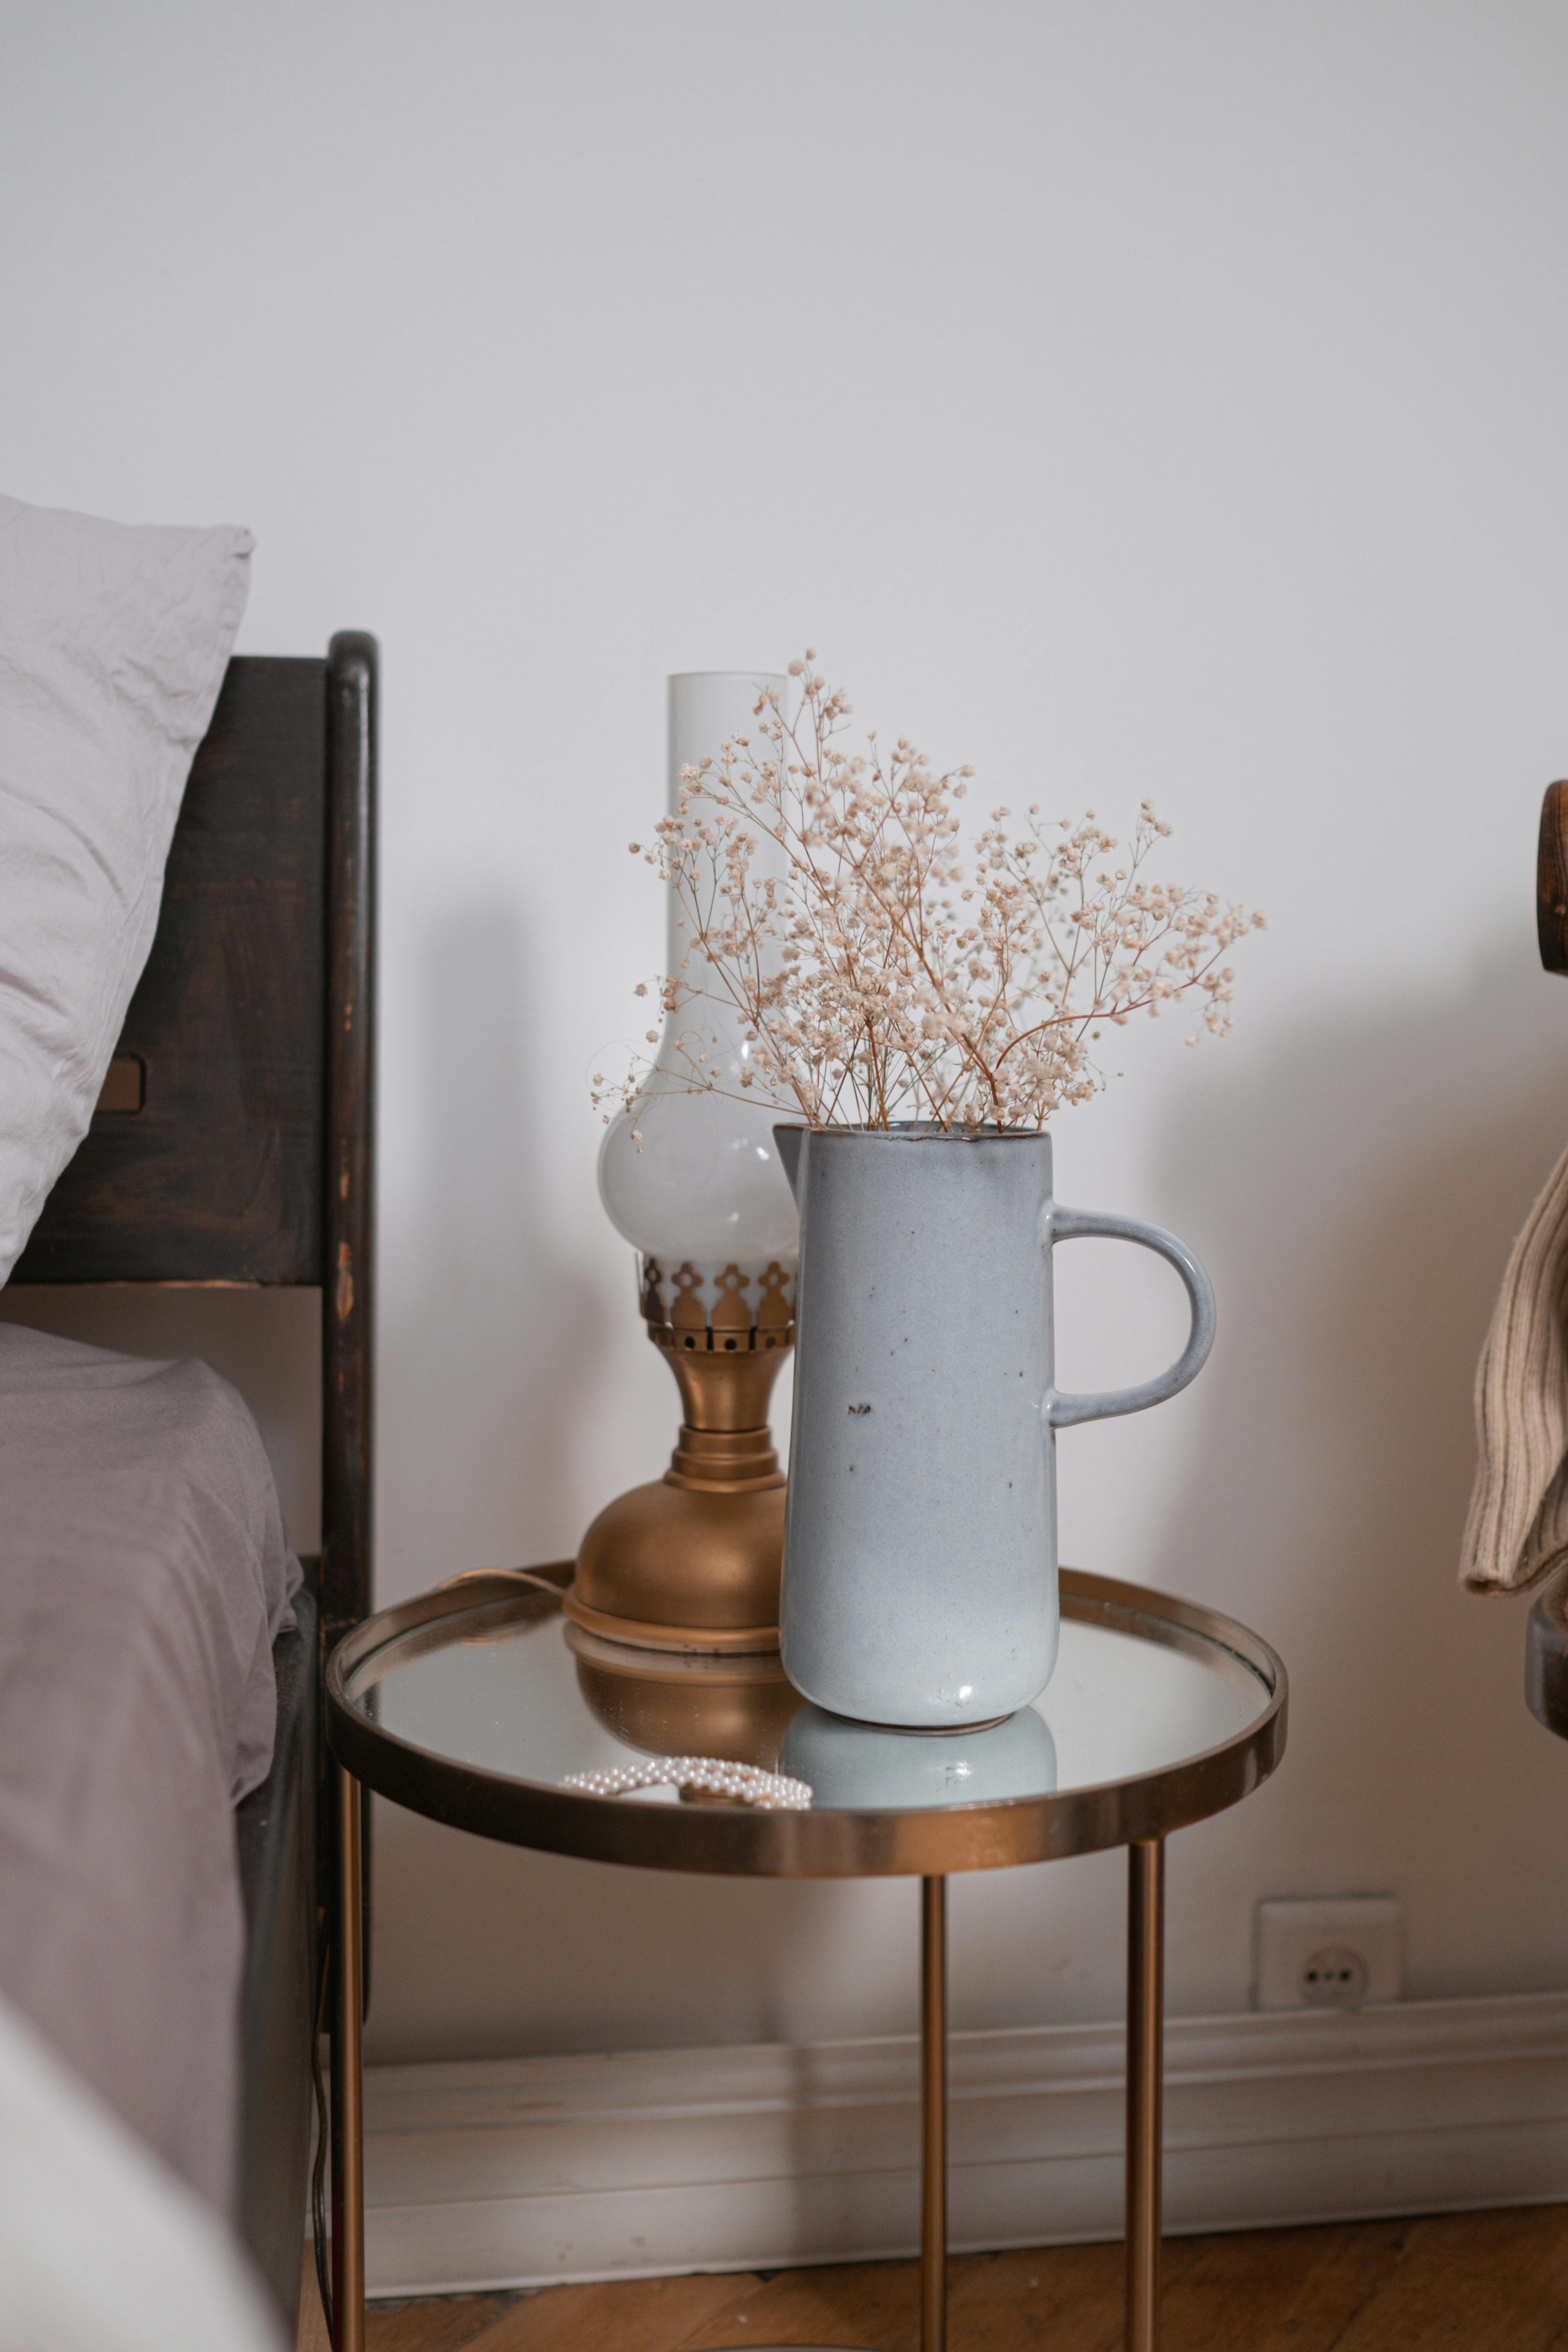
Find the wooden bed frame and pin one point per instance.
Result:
(233, 1146)
(1546, 1637)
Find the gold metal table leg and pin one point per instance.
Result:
(933, 2128)
(348, 2118)
(1145, 2074)
(934, 2114)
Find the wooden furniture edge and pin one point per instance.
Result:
(348, 1221)
(1552, 879)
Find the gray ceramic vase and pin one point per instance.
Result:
(920, 1575)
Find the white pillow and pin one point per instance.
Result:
(113, 643)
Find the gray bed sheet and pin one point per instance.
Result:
(144, 1574)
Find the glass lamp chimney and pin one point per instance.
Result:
(693, 1561)
(704, 1189)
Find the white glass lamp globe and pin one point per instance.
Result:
(699, 1188)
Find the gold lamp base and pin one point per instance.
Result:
(693, 1561)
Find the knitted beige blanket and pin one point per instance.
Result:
(1518, 1525)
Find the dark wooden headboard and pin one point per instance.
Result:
(233, 1142)
(1552, 880)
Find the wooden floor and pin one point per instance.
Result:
(1475, 2282)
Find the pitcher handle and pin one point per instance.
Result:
(1074, 1224)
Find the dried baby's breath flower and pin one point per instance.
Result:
(879, 965)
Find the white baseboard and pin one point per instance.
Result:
(525, 2172)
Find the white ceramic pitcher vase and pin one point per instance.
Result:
(920, 1575)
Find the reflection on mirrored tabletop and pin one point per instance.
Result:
(867, 1767)
(662, 1703)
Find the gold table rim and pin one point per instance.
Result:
(835, 1843)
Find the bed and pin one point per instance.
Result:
(232, 1145)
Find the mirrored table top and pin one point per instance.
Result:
(476, 1702)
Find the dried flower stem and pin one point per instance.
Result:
(880, 970)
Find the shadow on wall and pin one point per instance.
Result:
(1357, 1203)
(492, 1358)
(492, 1367)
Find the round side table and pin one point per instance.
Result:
(474, 1703)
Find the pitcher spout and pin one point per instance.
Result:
(789, 1142)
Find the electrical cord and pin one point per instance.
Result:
(319, 2167)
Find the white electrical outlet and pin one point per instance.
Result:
(1336, 1951)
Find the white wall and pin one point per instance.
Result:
(1129, 398)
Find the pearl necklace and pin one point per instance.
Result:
(768, 1791)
